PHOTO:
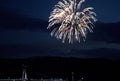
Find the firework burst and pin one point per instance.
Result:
(74, 22)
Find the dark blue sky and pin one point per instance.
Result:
(107, 10)
(23, 32)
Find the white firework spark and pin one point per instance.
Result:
(74, 23)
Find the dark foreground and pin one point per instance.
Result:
(58, 67)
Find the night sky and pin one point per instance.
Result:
(107, 11)
(19, 40)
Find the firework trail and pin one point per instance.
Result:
(74, 22)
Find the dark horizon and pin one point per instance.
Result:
(61, 67)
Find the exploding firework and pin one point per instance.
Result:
(74, 22)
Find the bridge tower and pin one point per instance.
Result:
(24, 74)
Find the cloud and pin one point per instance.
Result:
(29, 44)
